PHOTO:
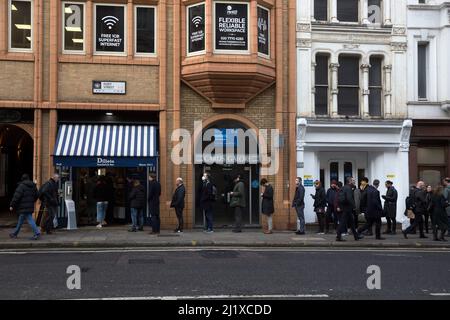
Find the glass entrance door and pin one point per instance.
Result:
(340, 170)
(222, 177)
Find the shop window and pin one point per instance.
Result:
(422, 61)
(431, 156)
(374, 11)
(145, 30)
(196, 36)
(375, 86)
(263, 31)
(348, 10)
(231, 27)
(20, 25)
(348, 85)
(321, 10)
(110, 34)
(73, 27)
(321, 85)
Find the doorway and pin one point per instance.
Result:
(222, 177)
(16, 158)
(339, 170)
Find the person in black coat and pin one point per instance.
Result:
(390, 207)
(427, 214)
(23, 203)
(320, 203)
(374, 210)
(267, 205)
(331, 215)
(346, 203)
(48, 194)
(178, 203)
(206, 201)
(137, 206)
(419, 207)
(154, 192)
(439, 220)
(299, 204)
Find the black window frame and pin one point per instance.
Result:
(345, 89)
(155, 30)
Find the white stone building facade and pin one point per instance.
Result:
(352, 94)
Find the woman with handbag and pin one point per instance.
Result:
(320, 203)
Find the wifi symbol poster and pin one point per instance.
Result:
(196, 24)
(110, 28)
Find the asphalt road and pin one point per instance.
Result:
(241, 273)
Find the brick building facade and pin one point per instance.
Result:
(46, 82)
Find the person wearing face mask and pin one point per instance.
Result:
(206, 201)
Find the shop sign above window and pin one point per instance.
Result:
(196, 28)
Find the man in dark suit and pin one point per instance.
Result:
(206, 201)
(178, 203)
(418, 197)
(374, 210)
(347, 203)
(299, 204)
(154, 192)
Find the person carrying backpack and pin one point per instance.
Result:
(23, 203)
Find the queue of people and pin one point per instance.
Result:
(340, 206)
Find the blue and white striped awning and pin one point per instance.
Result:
(85, 140)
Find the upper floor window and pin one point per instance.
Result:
(348, 10)
(263, 31)
(321, 85)
(348, 85)
(196, 29)
(321, 10)
(422, 62)
(231, 27)
(145, 27)
(110, 31)
(20, 25)
(375, 86)
(73, 27)
(374, 12)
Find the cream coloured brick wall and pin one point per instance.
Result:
(16, 80)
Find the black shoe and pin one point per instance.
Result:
(35, 237)
(141, 229)
(237, 231)
(12, 236)
(338, 239)
(405, 235)
(299, 233)
(132, 230)
(422, 236)
(358, 237)
(380, 238)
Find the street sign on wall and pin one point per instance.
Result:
(108, 87)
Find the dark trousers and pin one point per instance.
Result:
(155, 220)
(418, 221)
(368, 226)
(329, 219)
(391, 224)
(321, 219)
(346, 221)
(238, 218)
(52, 211)
(179, 213)
(209, 218)
(426, 219)
(355, 219)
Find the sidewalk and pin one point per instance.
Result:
(119, 237)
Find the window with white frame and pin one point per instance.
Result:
(321, 84)
(375, 86)
(348, 85)
(374, 11)
(348, 10)
(20, 25)
(321, 10)
(422, 62)
(110, 29)
(73, 27)
(145, 30)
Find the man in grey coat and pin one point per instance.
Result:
(238, 202)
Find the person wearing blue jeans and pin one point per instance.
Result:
(137, 205)
(101, 196)
(101, 212)
(137, 219)
(30, 220)
(23, 203)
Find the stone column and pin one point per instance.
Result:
(333, 11)
(334, 67)
(365, 90)
(387, 12)
(387, 91)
